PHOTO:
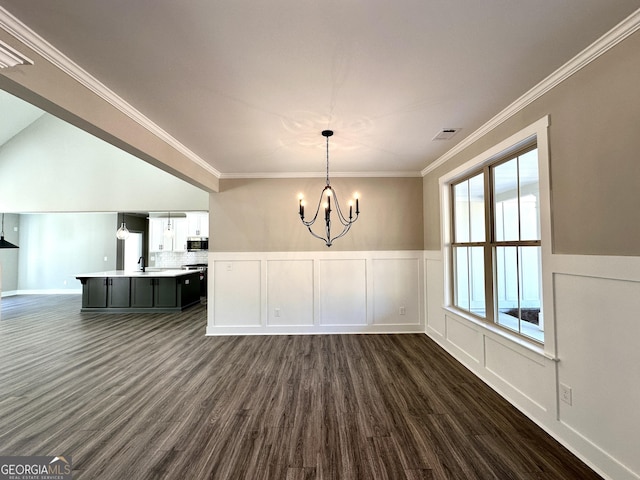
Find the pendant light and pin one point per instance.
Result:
(123, 231)
(169, 233)
(3, 242)
(325, 202)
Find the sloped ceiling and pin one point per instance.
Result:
(248, 85)
(15, 116)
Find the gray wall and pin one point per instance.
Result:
(594, 155)
(9, 256)
(261, 215)
(54, 248)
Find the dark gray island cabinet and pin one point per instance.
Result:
(118, 291)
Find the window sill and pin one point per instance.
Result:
(494, 330)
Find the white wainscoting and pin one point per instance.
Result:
(290, 283)
(595, 336)
(315, 292)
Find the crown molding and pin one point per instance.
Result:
(31, 39)
(271, 175)
(609, 40)
(35, 42)
(10, 57)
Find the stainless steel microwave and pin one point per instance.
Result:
(196, 244)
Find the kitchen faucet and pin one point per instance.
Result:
(141, 263)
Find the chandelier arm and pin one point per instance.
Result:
(318, 236)
(308, 223)
(341, 216)
(344, 232)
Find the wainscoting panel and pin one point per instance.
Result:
(465, 337)
(343, 292)
(237, 293)
(527, 374)
(315, 292)
(290, 292)
(396, 291)
(598, 336)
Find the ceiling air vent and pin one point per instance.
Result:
(446, 133)
(10, 57)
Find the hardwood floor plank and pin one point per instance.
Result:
(149, 396)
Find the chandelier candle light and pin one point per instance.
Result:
(328, 191)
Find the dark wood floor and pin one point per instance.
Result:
(150, 396)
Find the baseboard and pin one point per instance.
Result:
(312, 330)
(58, 291)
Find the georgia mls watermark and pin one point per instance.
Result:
(35, 468)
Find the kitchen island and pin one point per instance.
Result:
(120, 291)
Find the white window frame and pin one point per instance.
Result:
(539, 132)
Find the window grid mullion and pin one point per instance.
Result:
(469, 277)
(519, 287)
(515, 243)
(452, 262)
(489, 236)
(519, 196)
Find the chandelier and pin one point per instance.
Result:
(325, 202)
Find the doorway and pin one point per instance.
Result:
(132, 251)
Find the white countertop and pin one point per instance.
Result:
(137, 273)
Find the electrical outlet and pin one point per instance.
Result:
(565, 393)
(403, 311)
(276, 312)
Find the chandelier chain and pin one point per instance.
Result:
(328, 160)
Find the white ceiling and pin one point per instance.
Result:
(248, 85)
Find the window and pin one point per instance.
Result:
(496, 258)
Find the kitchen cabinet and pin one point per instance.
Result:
(198, 224)
(118, 292)
(142, 292)
(153, 292)
(105, 293)
(156, 234)
(94, 293)
(181, 232)
(125, 292)
(158, 242)
(165, 292)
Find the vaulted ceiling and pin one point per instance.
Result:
(249, 85)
